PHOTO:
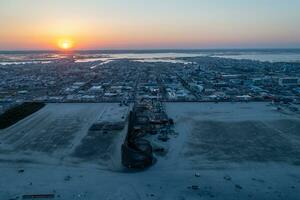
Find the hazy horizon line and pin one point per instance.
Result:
(150, 49)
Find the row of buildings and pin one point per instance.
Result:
(197, 79)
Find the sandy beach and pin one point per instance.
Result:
(220, 151)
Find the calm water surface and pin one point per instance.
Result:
(271, 56)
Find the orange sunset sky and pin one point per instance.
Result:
(137, 24)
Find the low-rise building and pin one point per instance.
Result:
(288, 81)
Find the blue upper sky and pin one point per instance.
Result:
(119, 24)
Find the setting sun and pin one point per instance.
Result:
(65, 44)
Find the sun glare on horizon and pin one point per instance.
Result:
(65, 44)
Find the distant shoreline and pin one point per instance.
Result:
(141, 51)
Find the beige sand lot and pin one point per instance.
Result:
(225, 151)
(54, 133)
(228, 133)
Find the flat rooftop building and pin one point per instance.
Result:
(289, 81)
